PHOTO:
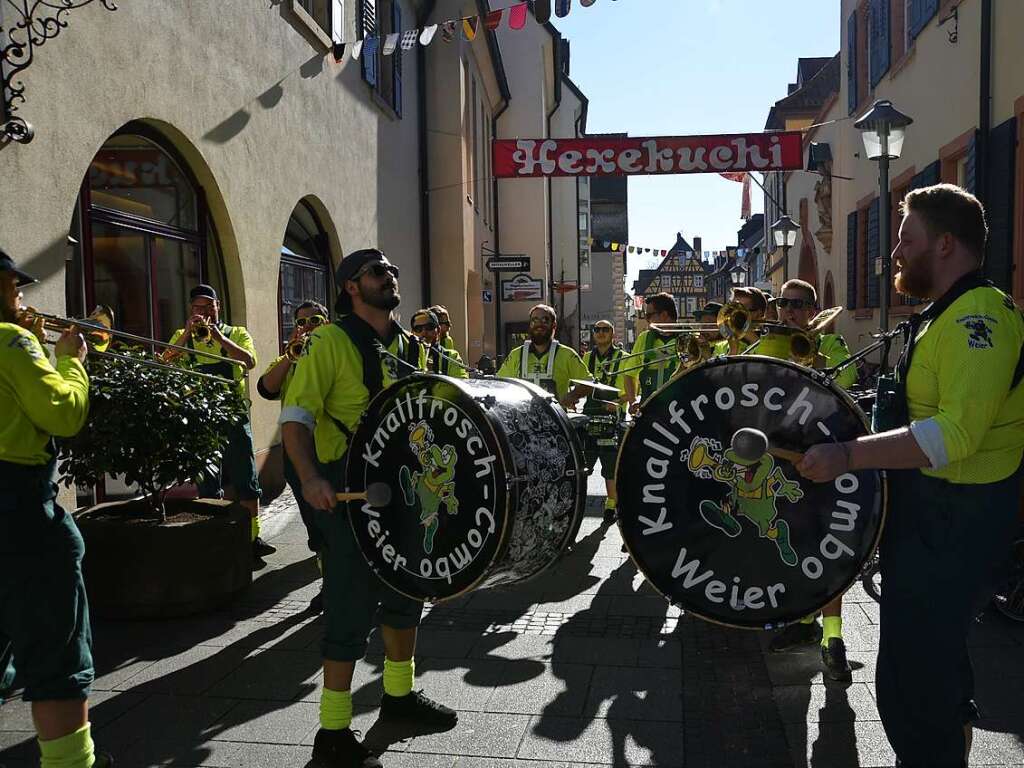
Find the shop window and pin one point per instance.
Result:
(305, 271)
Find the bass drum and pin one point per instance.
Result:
(731, 535)
(486, 484)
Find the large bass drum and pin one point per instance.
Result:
(735, 537)
(486, 484)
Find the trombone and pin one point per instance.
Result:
(99, 332)
(800, 346)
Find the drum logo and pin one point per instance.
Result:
(754, 486)
(433, 485)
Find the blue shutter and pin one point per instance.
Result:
(972, 159)
(396, 67)
(851, 63)
(872, 281)
(851, 261)
(1000, 202)
(367, 29)
(931, 174)
(921, 12)
(880, 40)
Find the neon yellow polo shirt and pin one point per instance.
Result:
(963, 414)
(567, 365)
(327, 385)
(618, 380)
(831, 346)
(287, 377)
(653, 361)
(238, 335)
(37, 400)
(455, 365)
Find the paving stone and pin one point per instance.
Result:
(267, 722)
(18, 746)
(595, 651)
(159, 751)
(271, 675)
(636, 694)
(483, 734)
(510, 645)
(618, 742)
(664, 652)
(818, 703)
(465, 689)
(269, 756)
(189, 673)
(839, 745)
(560, 690)
(182, 720)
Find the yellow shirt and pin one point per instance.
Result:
(37, 400)
(238, 335)
(327, 387)
(449, 365)
(566, 365)
(658, 363)
(617, 380)
(287, 377)
(963, 413)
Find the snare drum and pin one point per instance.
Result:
(486, 483)
(738, 539)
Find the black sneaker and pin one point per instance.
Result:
(261, 549)
(103, 760)
(796, 636)
(610, 515)
(418, 709)
(833, 656)
(341, 749)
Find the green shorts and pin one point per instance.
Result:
(238, 467)
(45, 637)
(355, 600)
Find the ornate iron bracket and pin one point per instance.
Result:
(954, 16)
(35, 22)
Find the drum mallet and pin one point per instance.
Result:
(376, 494)
(751, 444)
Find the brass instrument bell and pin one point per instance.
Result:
(296, 347)
(201, 331)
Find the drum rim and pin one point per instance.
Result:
(814, 374)
(501, 442)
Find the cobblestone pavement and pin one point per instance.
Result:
(585, 666)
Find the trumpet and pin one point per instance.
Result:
(296, 347)
(690, 349)
(201, 331)
(800, 346)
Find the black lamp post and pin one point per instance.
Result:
(784, 231)
(883, 128)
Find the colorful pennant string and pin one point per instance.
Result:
(611, 245)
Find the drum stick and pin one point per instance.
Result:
(377, 494)
(794, 457)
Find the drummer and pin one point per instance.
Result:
(345, 365)
(797, 305)
(445, 361)
(756, 305)
(544, 361)
(656, 350)
(955, 442)
(603, 362)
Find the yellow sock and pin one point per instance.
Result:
(809, 619)
(609, 503)
(398, 677)
(831, 626)
(72, 751)
(254, 529)
(335, 709)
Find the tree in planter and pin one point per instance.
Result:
(156, 426)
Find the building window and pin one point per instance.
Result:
(305, 260)
(378, 19)
(326, 18)
(698, 281)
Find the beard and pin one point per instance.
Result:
(542, 337)
(914, 280)
(386, 298)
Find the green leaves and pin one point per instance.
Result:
(157, 427)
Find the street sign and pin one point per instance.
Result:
(516, 262)
(522, 288)
(488, 296)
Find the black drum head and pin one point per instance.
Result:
(444, 524)
(740, 538)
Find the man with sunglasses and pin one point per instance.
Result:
(756, 305)
(656, 351)
(273, 385)
(444, 326)
(544, 361)
(797, 305)
(346, 364)
(238, 465)
(441, 360)
(603, 362)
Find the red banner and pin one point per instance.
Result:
(526, 158)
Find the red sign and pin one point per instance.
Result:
(526, 158)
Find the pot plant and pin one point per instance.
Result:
(157, 427)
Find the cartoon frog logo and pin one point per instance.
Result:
(754, 485)
(433, 484)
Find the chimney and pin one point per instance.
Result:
(696, 248)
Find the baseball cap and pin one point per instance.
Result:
(204, 291)
(7, 264)
(350, 267)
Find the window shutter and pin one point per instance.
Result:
(396, 67)
(368, 29)
(851, 261)
(880, 40)
(921, 12)
(971, 165)
(338, 21)
(872, 281)
(1000, 203)
(930, 175)
(851, 62)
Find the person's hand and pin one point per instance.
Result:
(634, 408)
(189, 325)
(319, 493)
(72, 344)
(824, 462)
(33, 323)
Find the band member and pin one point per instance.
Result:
(444, 326)
(954, 453)
(44, 613)
(273, 385)
(756, 305)
(342, 369)
(544, 361)
(443, 360)
(238, 466)
(797, 306)
(603, 362)
(658, 349)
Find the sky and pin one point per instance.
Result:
(682, 67)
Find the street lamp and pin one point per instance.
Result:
(784, 231)
(883, 128)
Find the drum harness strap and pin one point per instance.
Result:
(219, 368)
(664, 367)
(604, 376)
(536, 377)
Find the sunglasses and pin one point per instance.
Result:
(540, 320)
(312, 321)
(425, 327)
(378, 270)
(794, 303)
(602, 329)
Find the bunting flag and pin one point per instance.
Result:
(587, 3)
(357, 49)
(448, 31)
(744, 178)
(624, 248)
(427, 35)
(370, 46)
(517, 16)
(562, 8)
(409, 39)
(390, 43)
(469, 28)
(494, 19)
